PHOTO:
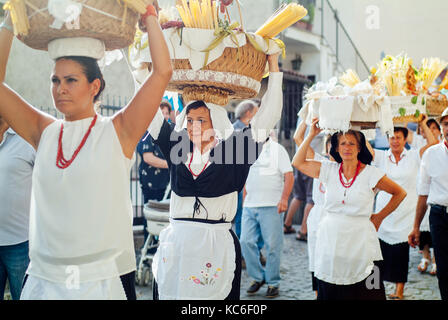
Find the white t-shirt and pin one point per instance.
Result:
(264, 185)
(418, 142)
(16, 170)
(396, 227)
(433, 179)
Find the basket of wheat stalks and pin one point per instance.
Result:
(229, 76)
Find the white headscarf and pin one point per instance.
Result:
(220, 121)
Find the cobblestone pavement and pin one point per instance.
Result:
(296, 279)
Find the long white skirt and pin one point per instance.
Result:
(40, 289)
(312, 223)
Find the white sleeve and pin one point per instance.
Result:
(379, 158)
(375, 176)
(270, 110)
(326, 169)
(284, 164)
(156, 124)
(415, 155)
(424, 179)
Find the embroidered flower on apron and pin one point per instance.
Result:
(207, 277)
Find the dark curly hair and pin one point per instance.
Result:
(364, 154)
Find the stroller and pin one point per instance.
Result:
(157, 217)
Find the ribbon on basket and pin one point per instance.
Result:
(222, 32)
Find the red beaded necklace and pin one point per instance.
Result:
(189, 166)
(63, 163)
(347, 185)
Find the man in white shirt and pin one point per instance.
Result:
(433, 190)
(16, 168)
(267, 190)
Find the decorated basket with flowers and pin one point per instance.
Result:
(395, 92)
(38, 22)
(214, 59)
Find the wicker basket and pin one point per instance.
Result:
(413, 111)
(235, 75)
(435, 106)
(91, 24)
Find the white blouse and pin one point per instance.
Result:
(81, 217)
(347, 243)
(396, 227)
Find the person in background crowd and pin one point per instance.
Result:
(153, 168)
(267, 191)
(425, 244)
(302, 192)
(418, 140)
(315, 214)
(244, 112)
(347, 245)
(401, 166)
(16, 170)
(433, 191)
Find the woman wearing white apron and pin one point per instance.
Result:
(81, 238)
(199, 257)
(347, 245)
(401, 166)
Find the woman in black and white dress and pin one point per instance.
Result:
(199, 257)
(347, 245)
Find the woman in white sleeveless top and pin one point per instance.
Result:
(81, 239)
(347, 245)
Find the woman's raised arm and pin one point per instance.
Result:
(271, 104)
(431, 140)
(25, 120)
(132, 122)
(309, 167)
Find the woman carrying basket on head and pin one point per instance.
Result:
(81, 239)
(402, 166)
(347, 245)
(199, 257)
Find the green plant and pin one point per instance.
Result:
(311, 12)
(309, 5)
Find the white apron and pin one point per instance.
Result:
(194, 261)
